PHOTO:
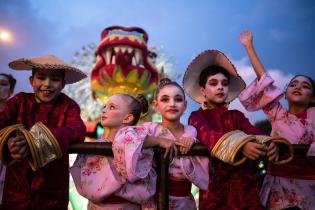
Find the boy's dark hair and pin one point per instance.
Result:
(313, 87)
(11, 79)
(164, 82)
(138, 105)
(210, 71)
(61, 70)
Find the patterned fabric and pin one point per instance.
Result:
(135, 164)
(47, 188)
(280, 193)
(129, 175)
(231, 187)
(195, 169)
(295, 187)
(95, 177)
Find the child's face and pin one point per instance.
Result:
(4, 88)
(299, 91)
(170, 103)
(216, 89)
(115, 112)
(47, 85)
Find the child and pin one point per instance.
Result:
(128, 180)
(39, 128)
(212, 81)
(7, 84)
(291, 185)
(170, 102)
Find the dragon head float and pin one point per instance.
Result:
(123, 64)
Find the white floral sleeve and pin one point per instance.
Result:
(131, 160)
(262, 94)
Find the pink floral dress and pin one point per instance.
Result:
(129, 175)
(183, 170)
(292, 184)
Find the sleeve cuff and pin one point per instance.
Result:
(5, 134)
(229, 145)
(43, 146)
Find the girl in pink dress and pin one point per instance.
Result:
(291, 185)
(128, 180)
(170, 102)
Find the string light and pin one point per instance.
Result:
(261, 164)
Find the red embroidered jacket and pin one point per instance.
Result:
(231, 187)
(47, 188)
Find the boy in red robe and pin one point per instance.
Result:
(36, 130)
(212, 81)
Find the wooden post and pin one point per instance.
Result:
(162, 179)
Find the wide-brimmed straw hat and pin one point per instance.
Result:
(204, 60)
(49, 62)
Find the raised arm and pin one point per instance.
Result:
(246, 39)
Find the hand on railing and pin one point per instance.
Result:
(184, 144)
(170, 148)
(273, 152)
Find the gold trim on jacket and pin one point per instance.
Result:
(45, 144)
(229, 145)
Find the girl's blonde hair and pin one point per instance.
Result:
(138, 105)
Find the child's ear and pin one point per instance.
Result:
(31, 80)
(202, 92)
(128, 119)
(154, 104)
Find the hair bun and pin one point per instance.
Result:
(164, 81)
(143, 102)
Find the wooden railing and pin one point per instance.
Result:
(105, 149)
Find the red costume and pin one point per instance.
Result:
(48, 187)
(231, 187)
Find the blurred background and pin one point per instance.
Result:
(283, 33)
